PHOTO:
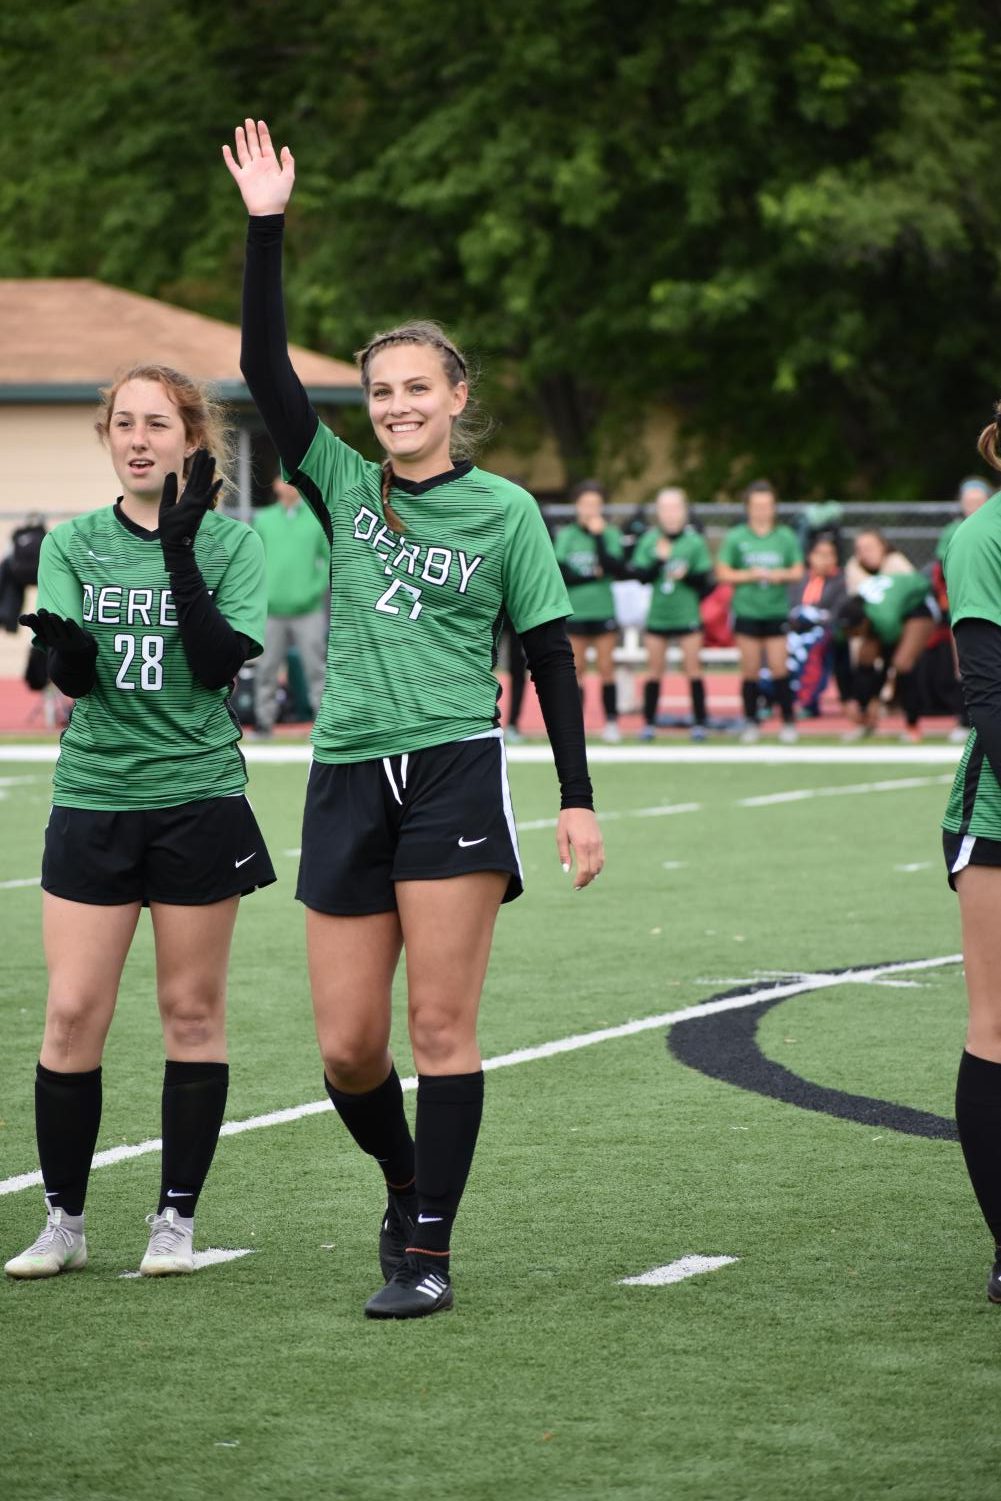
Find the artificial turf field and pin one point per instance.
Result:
(847, 1351)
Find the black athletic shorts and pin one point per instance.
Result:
(424, 816)
(673, 632)
(186, 856)
(761, 630)
(591, 627)
(961, 850)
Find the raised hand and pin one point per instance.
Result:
(264, 179)
(179, 520)
(57, 633)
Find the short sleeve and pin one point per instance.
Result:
(533, 588)
(645, 554)
(613, 542)
(729, 552)
(242, 593)
(59, 589)
(328, 469)
(794, 553)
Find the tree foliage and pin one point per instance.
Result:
(777, 219)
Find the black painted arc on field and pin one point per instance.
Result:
(725, 1046)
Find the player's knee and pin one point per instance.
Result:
(436, 1033)
(354, 1065)
(71, 1019)
(191, 1018)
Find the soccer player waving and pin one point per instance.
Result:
(408, 833)
(148, 608)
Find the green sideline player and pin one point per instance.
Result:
(894, 616)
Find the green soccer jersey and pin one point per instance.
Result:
(591, 599)
(743, 548)
(889, 598)
(414, 616)
(945, 540)
(973, 579)
(148, 734)
(674, 604)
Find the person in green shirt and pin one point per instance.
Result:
(972, 494)
(674, 558)
(893, 616)
(408, 835)
(590, 554)
(148, 608)
(298, 560)
(761, 558)
(971, 841)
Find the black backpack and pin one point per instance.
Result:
(26, 544)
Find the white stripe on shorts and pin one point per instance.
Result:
(512, 827)
(963, 858)
(387, 768)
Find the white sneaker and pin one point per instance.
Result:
(860, 732)
(611, 734)
(750, 734)
(959, 735)
(512, 735)
(61, 1247)
(171, 1245)
(788, 734)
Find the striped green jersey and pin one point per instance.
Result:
(973, 580)
(591, 599)
(674, 603)
(148, 734)
(414, 616)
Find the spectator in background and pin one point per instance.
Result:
(815, 602)
(298, 564)
(873, 554)
(761, 558)
(674, 558)
(893, 617)
(972, 494)
(590, 555)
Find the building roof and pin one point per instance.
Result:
(64, 337)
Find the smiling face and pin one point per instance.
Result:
(147, 438)
(412, 405)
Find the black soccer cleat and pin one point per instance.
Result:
(395, 1234)
(414, 1291)
(994, 1282)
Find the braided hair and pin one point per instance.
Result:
(469, 428)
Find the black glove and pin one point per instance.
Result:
(179, 520)
(63, 636)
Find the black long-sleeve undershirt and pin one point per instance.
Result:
(550, 661)
(978, 645)
(215, 651)
(278, 392)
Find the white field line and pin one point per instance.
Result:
(768, 753)
(26, 881)
(677, 1271)
(799, 986)
(214, 1256)
(803, 794)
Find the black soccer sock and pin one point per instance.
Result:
(782, 688)
(377, 1121)
(67, 1118)
(749, 697)
(978, 1117)
(697, 688)
(449, 1110)
(608, 702)
(193, 1103)
(651, 698)
(908, 697)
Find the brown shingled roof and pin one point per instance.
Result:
(70, 331)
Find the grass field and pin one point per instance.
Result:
(848, 1351)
